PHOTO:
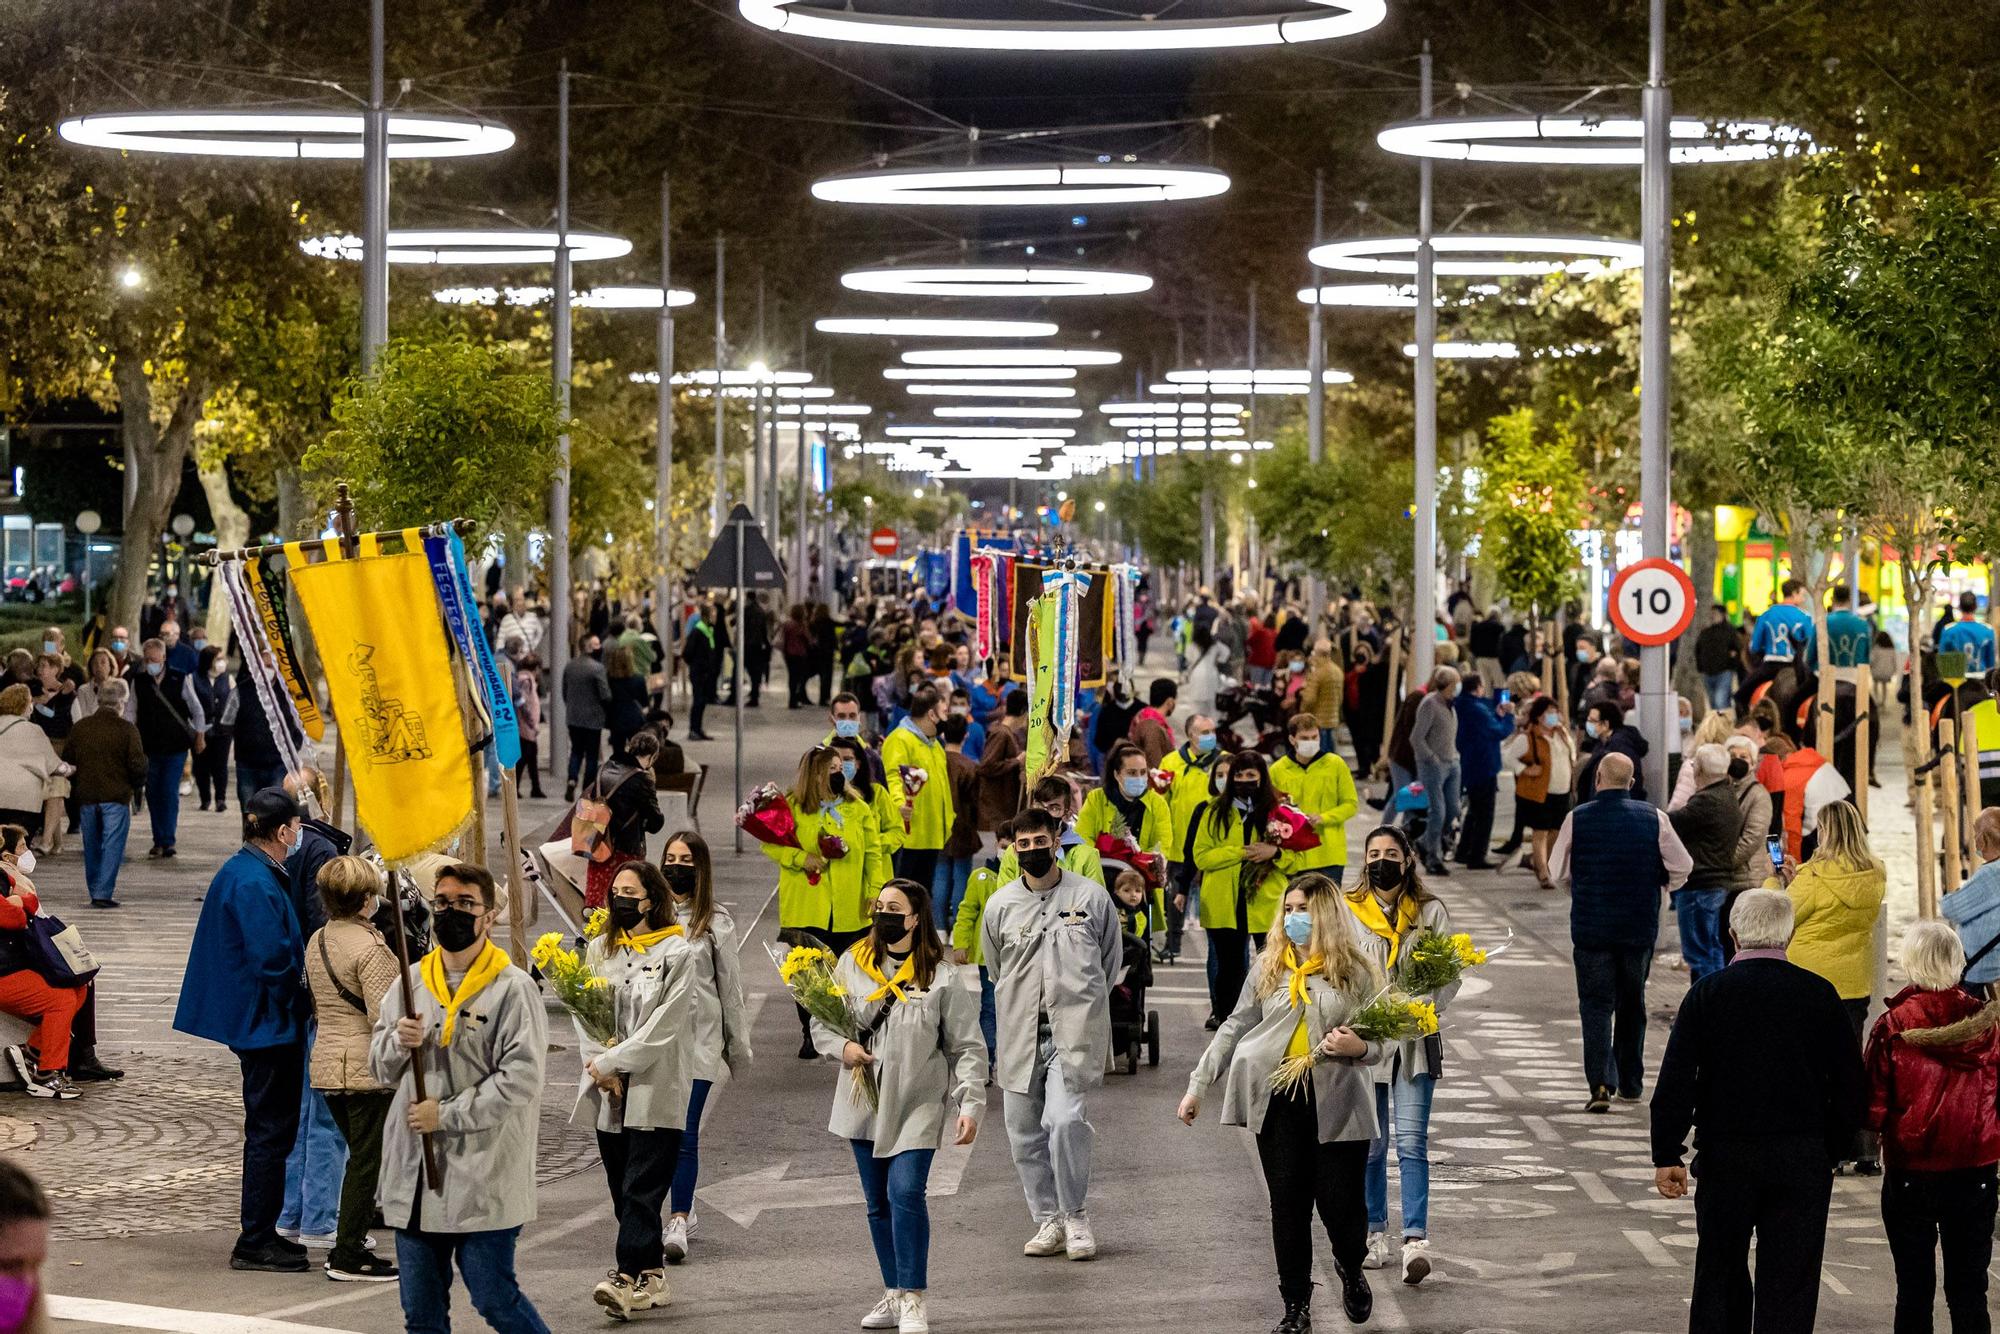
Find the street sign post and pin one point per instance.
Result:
(883, 542)
(740, 559)
(1652, 602)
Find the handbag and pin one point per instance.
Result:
(57, 952)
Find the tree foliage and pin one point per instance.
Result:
(1532, 499)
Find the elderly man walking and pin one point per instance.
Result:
(1434, 740)
(1763, 1065)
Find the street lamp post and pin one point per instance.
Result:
(87, 523)
(1656, 714)
(1423, 572)
(559, 593)
(374, 200)
(664, 614)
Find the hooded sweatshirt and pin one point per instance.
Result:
(1623, 740)
(1934, 1100)
(1835, 909)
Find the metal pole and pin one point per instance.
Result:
(1423, 572)
(803, 454)
(736, 674)
(1656, 711)
(756, 478)
(1252, 341)
(718, 509)
(559, 591)
(374, 199)
(664, 615)
(1316, 399)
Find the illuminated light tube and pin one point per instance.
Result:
(1028, 357)
(490, 245)
(1448, 351)
(1016, 411)
(596, 298)
(843, 24)
(825, 409)
(1121, 423)
(992, 390)
(1056, 184)
(1050, 433)
(1388, 296)
(282, 134)
(996, 281)
(980, 373)
(927, 328)
(1493, 256)
(1259, 377)
(743, 377)
(1573, 140)
(1168, 407)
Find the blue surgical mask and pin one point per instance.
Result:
(847, 768)
(1133, 788)
(1583, 655)
(120, 645)
(847, 727)
(1298, 927)
(1205, 742)
(1590, 728)
(49, 646)
(155, 668)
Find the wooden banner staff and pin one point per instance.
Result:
(432, 1177)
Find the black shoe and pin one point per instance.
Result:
(154, 851)
(1507, 849)
(1378, 803)
(700, 736)
(106, 903)
(569, 793)
(1436, 867)
(220, 808)
(204, 804)
(539, 795)
(1298, 1319)
(270, 1259)
(808, 1052)
(1600, 1100)
(1355, 1298)
(1212, 1023)
(1478, 866)
(84, 1067)
(290, 1247)
(371, 1269)
(168, 852)
(1867, 1167)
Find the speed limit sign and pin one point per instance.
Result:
(1652, 602)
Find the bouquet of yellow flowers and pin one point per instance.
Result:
(807, 972)
(596, 922)
(1435, 960)
(1390, 1017)
(582, 992)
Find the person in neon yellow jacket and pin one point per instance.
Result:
(1127, 798)
(1242, 877)
(1319, 784)
(968, 948)
(859, 767)
(834, 911)
(927, 813)
(1077, 856)
(1192, 765)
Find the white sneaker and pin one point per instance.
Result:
(651, 1291)
(317, 1240)
(1378, 1251)
(614, 1294)
(1416, 1260)
(677, 1239)
(1077, 1238)
(1048, 1239)
(888, 1312)
(913, 1320)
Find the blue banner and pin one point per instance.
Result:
(454, 585)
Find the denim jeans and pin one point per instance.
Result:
(1611, 1000)
(251, 779)
(104, 825)
(1720, 688)
(948, 889)
(1399, 778)
(1441, 786)
(1699, 913)
(314, 1170)
(163, 795)
(899, 1217)
(988, 1021)
(686, 1172)
(1412, 1101)
(486, 1259)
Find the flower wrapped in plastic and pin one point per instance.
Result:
(831, 846)
(767, 817)
(1434, 960)
(1116, 844)
(807, 972)
(1391, 1016)
(582, 992)
(1290, 828)
(1162, 780)
(913, 778)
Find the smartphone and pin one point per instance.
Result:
(1504, 696)
(1774, 844)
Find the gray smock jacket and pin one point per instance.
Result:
(720, 1046)
(1052, 954)
(1247, 1050)
(1423, 1056)
(929, 1056)
(488, 1084)
(652, 996)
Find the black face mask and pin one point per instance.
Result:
(455, 930)
(1739, 768)
(836, 782)
(1038, 862)
(1246, 791)
(889, 926)
(680, 879)
(627, 913)
(1385, 874)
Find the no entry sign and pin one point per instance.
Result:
(883, 541)
(1652, 602)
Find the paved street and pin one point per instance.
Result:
(1544, 1216)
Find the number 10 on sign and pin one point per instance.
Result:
(1652, 602)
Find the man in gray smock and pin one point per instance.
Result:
(481, 1034)
(1052, 946)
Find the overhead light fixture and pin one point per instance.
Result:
(1390, 296)
(1019, 412)
(834, 21)
(1259, 381)
(1453, 351)
(1046, 184)
(992, 390)
(1490, 256)
(1122, 423)
(979, 373)
(1123, 408)
(1012, 356)
(825, 409)
(282, 134)
(982, 432)
(1574, 140)
(493, 245)
(596, 298)
(928, 328)
(729, 377)
(995, 280)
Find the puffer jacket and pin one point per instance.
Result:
(366, 967)
(1934, 1101)
(1835, 911)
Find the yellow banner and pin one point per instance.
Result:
(1045, 750)
(389, 677)
(276, 633)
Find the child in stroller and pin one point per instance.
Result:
(1132, 1026)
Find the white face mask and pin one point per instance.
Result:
(26, 861)
(1306, 747)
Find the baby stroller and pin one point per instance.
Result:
(1412, 807)
(1132, 1025)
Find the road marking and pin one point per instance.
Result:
(1543, 1131)
(1649, 1246)
(1834, 1283)
(1593, 1186)
(1501, 1087)
(94, 1311)
(1467, 1051)
(741, 1199)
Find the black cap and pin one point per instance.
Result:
(274, 805)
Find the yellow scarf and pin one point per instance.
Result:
(1300, 972)
(492, 962)
(864, 959)
(645, 940)
(1367, 910)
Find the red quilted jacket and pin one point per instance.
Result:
(1936, 1104)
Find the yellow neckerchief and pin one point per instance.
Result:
(645, 940)
(864, 959)
(492, 962)
(1368, 910)
(1300, 972)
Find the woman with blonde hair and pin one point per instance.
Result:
(1312, 1139)
(1716, 726)
(27, 761)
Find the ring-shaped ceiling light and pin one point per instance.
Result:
(1450, 351)
(1488, 255)
(1389, 296)
(825, 410)
(1261, 380)
(984, 432)
(597, 298)
(487, 245)
(996, 280)
(1168, 407)
(282, 134)
(1574, 140)
(835, 21)
(729, 377)
(927, 328)
(1011, 411)
(980, 373)
(992, 390)
(1012, 356)
(1024, 185)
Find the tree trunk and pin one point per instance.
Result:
(157, 456)
(232, 530)
(1701, 569)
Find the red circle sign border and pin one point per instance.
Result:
(1680, 626)
(876, 542)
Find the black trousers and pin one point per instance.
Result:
(585, 743)
(1230, 948)
(837, 941)
(1475, 830)
(1611, 1001)
(797, 673)
(211, 770)
(1304, 1174)
(530, 767)
(918, 864)
(702, 694)
(273, 1083)
(1776, 1190)
(825, 683)
(1867, 1144)
(360, 1117)
(1924, 1212)
(639, 1167)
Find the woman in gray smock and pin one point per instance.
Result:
(919, 1015)
(1304, 986)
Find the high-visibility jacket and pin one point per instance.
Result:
(1189, 793)
(1218, 855)
(847, 885)
(931, 813)
(1323, 789)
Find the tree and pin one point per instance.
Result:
(1531, 503)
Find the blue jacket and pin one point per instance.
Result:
(1481, 729)
(243, 982)
(1615, 872)
(1975, 910)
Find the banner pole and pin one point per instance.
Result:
(736, 660)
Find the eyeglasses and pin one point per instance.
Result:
(475, 906)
